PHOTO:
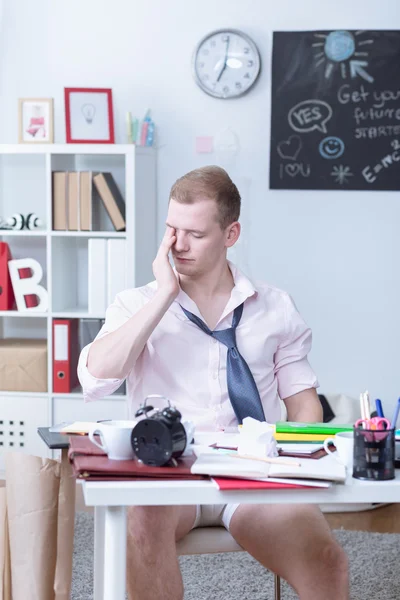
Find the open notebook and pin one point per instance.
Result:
(223, 465)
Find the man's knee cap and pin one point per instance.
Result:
(333, 555)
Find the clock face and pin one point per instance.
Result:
(226, 63)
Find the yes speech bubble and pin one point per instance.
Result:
(309, 115)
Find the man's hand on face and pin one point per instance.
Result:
(167, 281)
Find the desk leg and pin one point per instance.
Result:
(98, 567)
(115, 525)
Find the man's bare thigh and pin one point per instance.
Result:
(186, 519)
(160, 523)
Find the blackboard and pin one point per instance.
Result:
(335, 110)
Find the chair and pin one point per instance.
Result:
(210, 540)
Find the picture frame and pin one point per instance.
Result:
(35, 121)
(89, 116)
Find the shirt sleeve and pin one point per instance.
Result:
(119, 312)
(292, 369)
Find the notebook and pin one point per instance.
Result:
(224, 465)
(310, 428)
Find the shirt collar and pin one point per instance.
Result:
(242, 290)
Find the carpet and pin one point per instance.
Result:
(374, 569)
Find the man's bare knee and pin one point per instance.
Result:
(334, 560)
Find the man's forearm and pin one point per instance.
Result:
(112, 356)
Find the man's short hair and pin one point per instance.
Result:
(211, 182)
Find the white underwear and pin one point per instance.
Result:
(214, 515)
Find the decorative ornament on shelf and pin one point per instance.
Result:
(28, 286)
(19, 221)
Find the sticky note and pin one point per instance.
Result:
(204, 144)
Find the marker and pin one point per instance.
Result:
(396, 415)
(379, 409)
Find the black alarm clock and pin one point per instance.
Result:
(159, 437)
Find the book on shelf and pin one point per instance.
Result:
(88, 330)
(73, 201)
(107, 271)
(7, 298)
(65, 355)
(116, 268)
(97, 275)
(60, 190)
(85, 201)
(73, 205)
(111, 198)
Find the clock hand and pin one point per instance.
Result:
(225, 59)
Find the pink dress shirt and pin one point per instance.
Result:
(189, 367)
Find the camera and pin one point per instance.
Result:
(160, 437)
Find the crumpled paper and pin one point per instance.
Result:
(256, 438)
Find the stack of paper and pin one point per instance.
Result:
(224, 465)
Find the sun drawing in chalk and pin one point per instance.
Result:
(345, 49)
(341, 174)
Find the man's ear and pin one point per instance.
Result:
(233, 233)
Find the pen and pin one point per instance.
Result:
(275, 461)
(379, 409)
(396, 415)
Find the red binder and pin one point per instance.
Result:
(7, 299)
(65, 355)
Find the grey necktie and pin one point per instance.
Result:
(242, 389)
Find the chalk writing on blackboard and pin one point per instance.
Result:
(335, 114)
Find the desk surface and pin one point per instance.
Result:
(148, 493)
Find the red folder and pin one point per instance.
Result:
(65, 355)
(7, 299)
(30, 299)
(225, 483)
(92, 464)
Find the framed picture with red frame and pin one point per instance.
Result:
(89, 116)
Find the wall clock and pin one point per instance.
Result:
(226, 63)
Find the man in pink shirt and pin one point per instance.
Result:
(152, 337)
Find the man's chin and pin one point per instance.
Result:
(184, 266)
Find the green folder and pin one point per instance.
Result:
(323, 428)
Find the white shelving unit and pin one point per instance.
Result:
(26, 186)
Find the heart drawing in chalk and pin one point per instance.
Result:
(292, 170)
(290, 148)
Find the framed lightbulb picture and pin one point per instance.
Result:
(89, 116)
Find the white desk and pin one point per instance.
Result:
(110, 500)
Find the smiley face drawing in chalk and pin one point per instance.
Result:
(331, 147)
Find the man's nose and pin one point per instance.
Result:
(182, 242)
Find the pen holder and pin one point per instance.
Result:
(373, 454)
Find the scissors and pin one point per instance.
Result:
(375, 424)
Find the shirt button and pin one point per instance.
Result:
(214, 341)
(215, 375)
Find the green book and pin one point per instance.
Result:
(323, 428)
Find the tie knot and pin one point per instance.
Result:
(226, 336)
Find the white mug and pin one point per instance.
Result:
(189, 428)
(115, 438)
(344, 442)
